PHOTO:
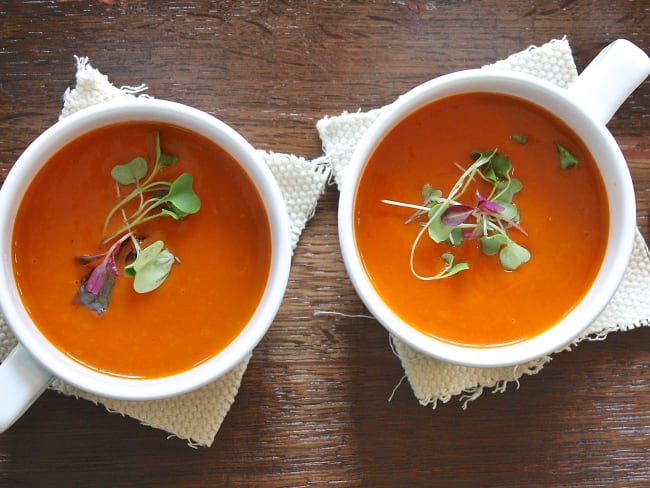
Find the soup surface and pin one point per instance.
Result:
(563, 211)
(208, 297)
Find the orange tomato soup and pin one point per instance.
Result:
(564, 212)
(207, 299)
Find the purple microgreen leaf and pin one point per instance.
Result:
(473, 233)
(96, 279)
(509, 212)
(97, 302)
(97, 276)
(111, 265)
(485, 205)
(456, 215)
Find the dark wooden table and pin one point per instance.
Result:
(313, 408)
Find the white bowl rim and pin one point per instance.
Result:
(621, 235)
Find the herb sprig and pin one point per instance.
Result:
(489, 219)
(153, 199)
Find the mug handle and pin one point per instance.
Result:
(610, 78)
(22, 381)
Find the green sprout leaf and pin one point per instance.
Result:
(510, 211)
(501, 166)
(567, 160)
(492, 244)
(163, 160)
(181, 196)
(173, 213)
(131, 172)
(519, 138)
(513, 255)
(151, 267)
(438, 231)
(451, 268)
(455, 236)
(497, 166)
(430, 194)
(506, 190)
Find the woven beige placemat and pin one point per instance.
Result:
(435, 381)
(195, 416)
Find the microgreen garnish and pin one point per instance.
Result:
(489, 219)
(567, 160)
(519, 138)
(149, 199)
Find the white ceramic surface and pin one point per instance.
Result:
(31, 366)
(586, 107)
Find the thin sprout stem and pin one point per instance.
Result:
(500, 218)
(152, 175)
(465, 179)
(420, 209)
(505, 189)
(151, 217)
(118, 206)
(153, 185)
(412, 256)
(139, 191)
(498, 229)
(407, 205)
(126, 228)
(131, 234)
(442, 274)
(129, 225)
(144, 209)
(113, 249)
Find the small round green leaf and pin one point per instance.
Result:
(131, 172)
(491, 245)
(181, 195)
(513, 255)
(151, 267)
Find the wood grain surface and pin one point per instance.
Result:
(313, 409)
